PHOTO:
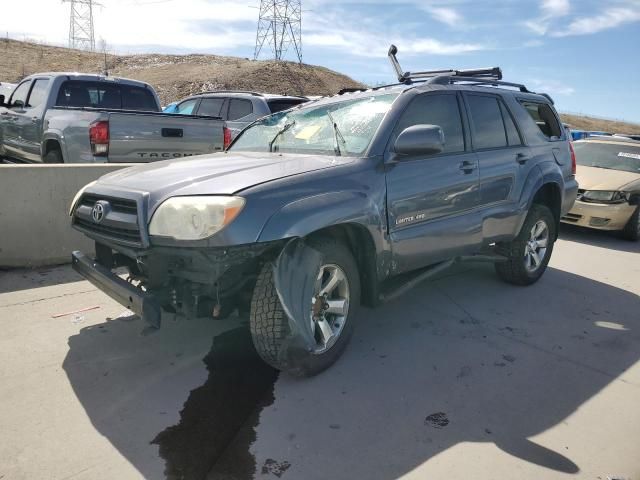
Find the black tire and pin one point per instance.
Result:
(270, 326)
(514, 270)
(53, 156)
(632, 230)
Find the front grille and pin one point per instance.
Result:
(120, 223)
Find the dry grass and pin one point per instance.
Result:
(177, 76)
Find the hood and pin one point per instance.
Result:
(592, 178)
(220, 173)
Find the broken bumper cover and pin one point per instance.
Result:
(141, 303)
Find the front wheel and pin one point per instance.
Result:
(529, 253)
(632, 229)
(331, 312)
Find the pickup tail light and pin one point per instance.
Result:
(573, 159)
(226, 134)
(99, 138)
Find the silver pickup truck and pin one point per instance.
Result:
(83, 118)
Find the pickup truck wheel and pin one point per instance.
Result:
(337, 287)
(53, 156)
(632, 229)
(529, 253)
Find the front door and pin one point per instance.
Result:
(11, 138)
(432, 199)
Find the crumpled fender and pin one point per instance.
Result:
(295, 288)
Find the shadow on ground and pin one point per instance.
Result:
(461, 359)
(36, 278)
(598, 238)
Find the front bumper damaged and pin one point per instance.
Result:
(141, 303)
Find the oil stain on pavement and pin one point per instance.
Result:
(216, 426)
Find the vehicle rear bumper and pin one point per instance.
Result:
(600, 216)
(141, 303)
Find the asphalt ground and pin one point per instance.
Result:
(463, 377)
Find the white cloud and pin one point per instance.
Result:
(551, 87)
(550, 9)
(446, 15)
(610, 18)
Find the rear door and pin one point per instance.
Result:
(502, 157)
(29, 123)
(147, 137)
(239, 114)
(431, 199)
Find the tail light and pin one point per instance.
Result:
(573, 159)
(226, 134)
(99, 138)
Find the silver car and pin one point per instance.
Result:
(237, 108)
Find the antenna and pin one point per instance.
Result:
(280, 25)
(81, 34)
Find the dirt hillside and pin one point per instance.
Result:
(177, 76)
(174, 76)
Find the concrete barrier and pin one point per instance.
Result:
(35, 229)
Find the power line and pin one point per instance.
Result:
(81, 33)
(280, 26)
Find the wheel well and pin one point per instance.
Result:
(359, 241)
(51, 145)
(549, 195)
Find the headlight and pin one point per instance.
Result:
(604, 196)
(78, 195)
(194, 218)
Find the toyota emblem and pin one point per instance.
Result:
(99, 211)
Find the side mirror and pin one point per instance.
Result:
(17, 104)
(2, 101)
(420, 140)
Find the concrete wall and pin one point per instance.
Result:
(35, 229)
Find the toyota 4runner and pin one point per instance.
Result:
(339, 202)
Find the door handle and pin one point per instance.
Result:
(522, 158)
(467, 167)
(34, 119)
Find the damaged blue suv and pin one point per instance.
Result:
(344, 201)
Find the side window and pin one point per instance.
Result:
(239, 108)
(186, 107)
(211, 107)
(487, 127)
(513, 137)
(20, 93)
(441, 110)
(38, 92)
(543, 116)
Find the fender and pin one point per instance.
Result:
(58, 136)
(533, 183)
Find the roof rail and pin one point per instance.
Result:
(493, 73)
(248, 92)
(445, 80)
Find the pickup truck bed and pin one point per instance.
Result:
(80, 118)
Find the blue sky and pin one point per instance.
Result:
(582, 52)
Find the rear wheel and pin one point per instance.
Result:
(332, 311)
(632, 229)
(53, 156)
(529, 253)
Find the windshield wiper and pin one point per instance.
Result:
(282, 130)
(337, 134)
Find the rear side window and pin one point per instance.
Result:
(75, 93)
(487, 125)
(186, 107)
(211, 107)
(280, 105)
(441, 110)
(543, 116)
(239, 108)
(20, 93)
(513, 137)
(38, 92)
